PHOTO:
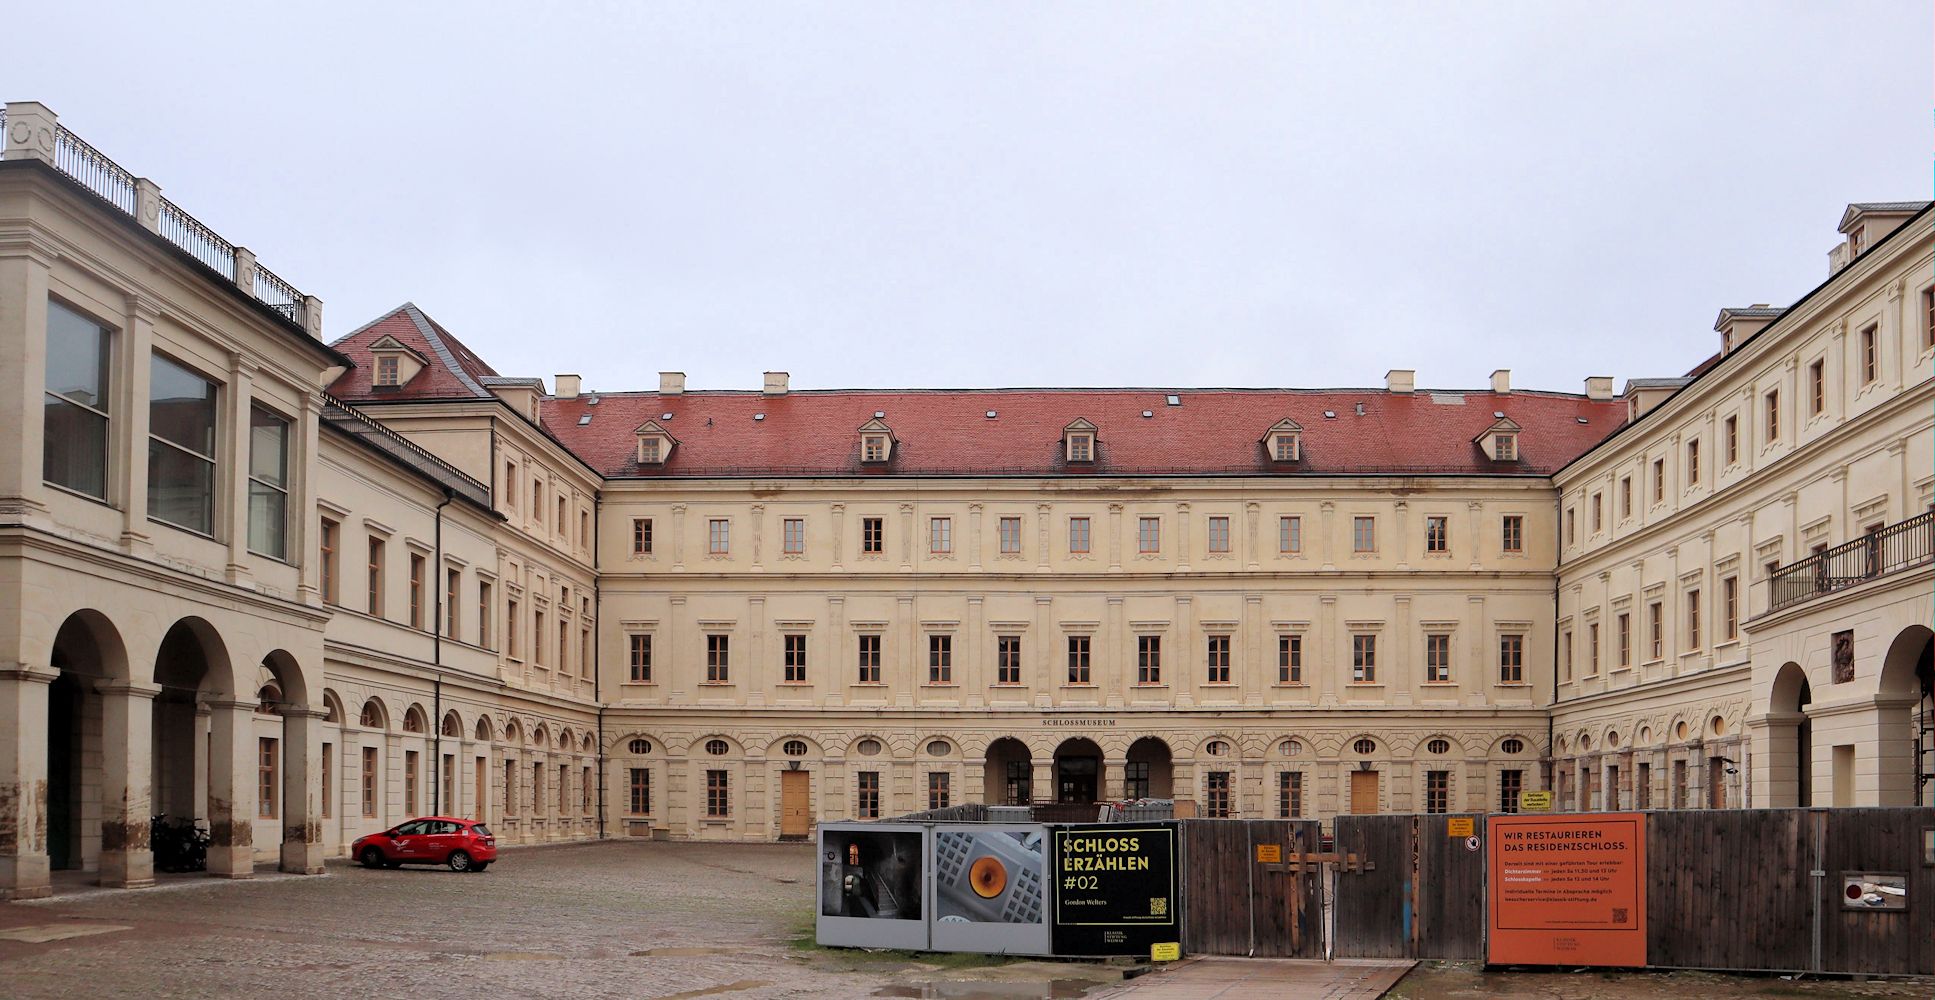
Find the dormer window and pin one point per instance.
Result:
(655, 443)
(1078, 441)
(1500, 441)
(1285, 441)
(393, 364)
(876, 442)
(386, 370)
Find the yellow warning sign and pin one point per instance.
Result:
(1458, 826)
(1269, 853)
(1168, 952)
(1535, 801)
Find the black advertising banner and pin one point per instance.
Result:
(1114, 889)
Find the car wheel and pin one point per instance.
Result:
(372, 858)
(459, 861)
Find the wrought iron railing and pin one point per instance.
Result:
(1899, 546)
(94, 171)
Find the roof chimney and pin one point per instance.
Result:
(671, 383)
(1401, 380)
(775, 384)
(1502, 381)
(1599, 387)
(565, 386)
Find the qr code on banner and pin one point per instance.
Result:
(1159, 906)
(1619, 914)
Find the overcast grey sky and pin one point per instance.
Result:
(992, 194)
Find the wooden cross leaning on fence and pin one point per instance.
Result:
(1296, 863)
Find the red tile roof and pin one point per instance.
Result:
(948, 432)
(452, 371)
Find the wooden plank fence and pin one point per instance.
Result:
(1235, 904)
(1424, 899)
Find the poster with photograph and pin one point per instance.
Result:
(872, 883)
(989, 889)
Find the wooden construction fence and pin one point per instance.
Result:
(1236, 904)
(1425, 897)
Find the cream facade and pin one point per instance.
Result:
(303, 591)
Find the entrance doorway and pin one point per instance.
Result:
(64, 781)
(1078, 772)
(795, 805)
(1363, 792)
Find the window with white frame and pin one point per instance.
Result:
(268, 483)
(181, 446)
(74, 449)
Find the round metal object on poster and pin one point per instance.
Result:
(1471, 843)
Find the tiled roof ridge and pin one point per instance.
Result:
(1154, 390)
(429, 330)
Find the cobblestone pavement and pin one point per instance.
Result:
(616, 919)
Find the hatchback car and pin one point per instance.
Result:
(464, 845)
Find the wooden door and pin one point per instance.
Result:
(795, 805)
(1363, 792)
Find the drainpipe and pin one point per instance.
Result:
(1558, 561)
(597, 653)
(436, 653)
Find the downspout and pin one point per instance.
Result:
(1558, 561)
(436, 653)
(597, 653)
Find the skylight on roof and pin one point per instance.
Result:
(1173, 400)
(665, 416)
(759, 416)
(990, 414)
(880, 414)
(584, 420)
(1330, 414)
(1148, 413)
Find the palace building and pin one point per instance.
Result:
(302, 588)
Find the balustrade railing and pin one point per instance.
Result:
(75, 158)
(1897, 547)
(276, 293)
(186, 232)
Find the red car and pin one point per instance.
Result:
(465, 845)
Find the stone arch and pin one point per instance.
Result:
(453, 724)
(374, 714)
(1529, 746)
(88, 654)
(565, 740)
(584, 745)
(1008, 775)
(853, 746)
(1078, 770)
(540, 737)
(777, 747)
(1201, 750)
(287, 672)
(192, 646)
(1148, 769)
(332, 707)
(1789, 752)
(1456, 749)
(415, 719)
(484, 732)
(1904, 690)
(513, 732)
(699, 749)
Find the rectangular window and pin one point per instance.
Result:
(792, 536)
(1289, 794)
(1010, 536)
(1816, 388)
(1437, 657)
(939, 794)
(369, 782)
(1598, 521)
(641, 788)
(181, 447)
(1289, 534)
(940, 535)
(1363, 659)
(1148, 535)
(718, 794)
(1612, 788)
(870, 658)
(1505, 447)
(266, 784)
(1510, 783)
(453, 587)
(510, 485)
(641, 658)
(641, 536)
(416, 590)
(1363, 534)
(1625, 640)
(1078, 535)
(537, 504)
(1679, 784)
(1511, 659)
(1592, 652)
(1656, 627)
(1216, 795)
(873, 448)
(510, 629)
(560, 525)
(718, 658)
(510, 788)
(1772, 403)
(1643, 786)
(1571, 527)
(1565, 655)
(1148, 659)
(1007, 659)
(376, 577)
(410, 782)
(1078, 650)
(873, 535)
(1135, 779)
(1730, 435)
(1219, 534)
(1437, 791)
(1625, 497)
(1020, 786)
(537, 638)
(74, 449)
(1219, 660)
(866, 796)
(483, 614)
(328, 780)
(1437, 534)
(1659, 480)
(329, 570)
(1513, 533)
(268, 483)
(1730, 608)
(1928, 318)
(1289, 659)
(795, 658)
(1870, 360)
(1693, 619)
(1693, 462)
(1081, 448)
(940, 659)
(388, 370)
(718, 536)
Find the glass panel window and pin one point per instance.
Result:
(940, 535)
(1219, 659)
(940, 659)
(266, 785)
(1772, 402)
(641, 658)
(642, 536)
(1511, 659)
(181, 447)
(1437, 791)
(1289, 659)
(718, 662)
(74, 446)
(1656, 627)
(1625, 629)
(1289, 794)
(938, 793)
(718, 536)
(641, 791)
(1219, 534)
(1078, 659)
(1216, 795)
(1007, 662)
(866, 802)
(1693, 462)
(1692, 619)
(718, 794)
(483, 614)
(1513, 533)
(1437, 534)
(330, 545)
(1437, 657)
(1148, 535)
(795, 658)
(870, 659)
(1730, 437)
(268, 483)
(369, 782)
(793, 536)
(376, 577)
(453, 585)
(873, 535)
(1592, 650)
(1816, 387)
(416, 590)
(1078, 534)
(1363, 659)
(1730, 608)
(1135, 779)
(1510, 783)
(1290, 534)
(1010, 536)
(1148, 659)
(1363, 534)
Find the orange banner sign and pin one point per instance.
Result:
(1567, 889)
